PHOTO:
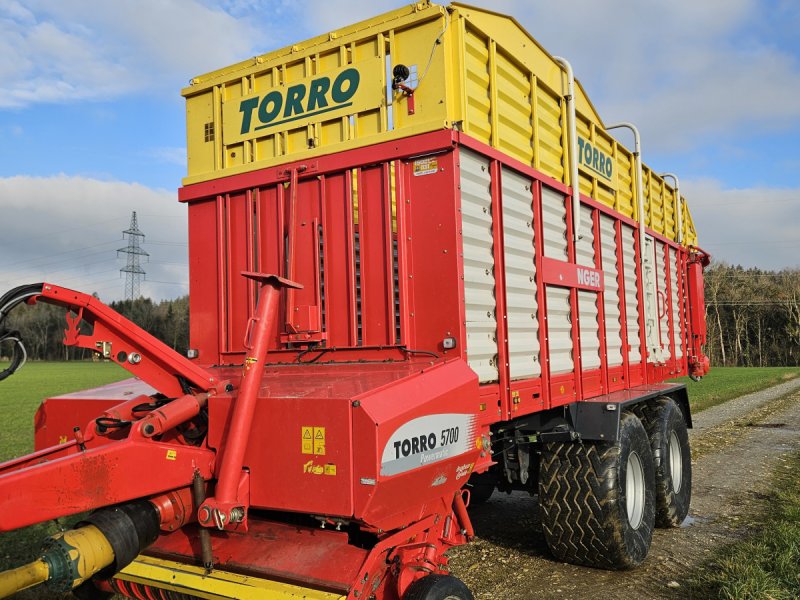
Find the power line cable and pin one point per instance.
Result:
(47, 257)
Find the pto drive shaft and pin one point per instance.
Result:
(22, 578)
(69, 559)
(111, 537)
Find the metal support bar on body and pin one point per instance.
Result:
(678, 205)
(646, 267)
(637, 156)
(573, 148)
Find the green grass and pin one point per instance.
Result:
(21, 394)
(767, 563)
(725, 383)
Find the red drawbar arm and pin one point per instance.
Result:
(93, 471)
(127, 344)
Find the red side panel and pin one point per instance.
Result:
(698, 361)
(238, 293)
(375, 256)
(339, 278)
(204, 278)
(697, 300)
(270, 248)
(434, 265)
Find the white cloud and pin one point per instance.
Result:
(68, 229)
(76, 49)
(680, 70)
(755, 226)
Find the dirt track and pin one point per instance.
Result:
(735, 447)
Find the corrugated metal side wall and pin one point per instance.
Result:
(631, 297)
(677, 314)
(520, 269)
(559, 330)
(559, 311)
(554, 222)
(662, 278)
(613, 314)
(479, 280)
(587, 301)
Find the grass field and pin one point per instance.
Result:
(21, 394)
(725, 383)
(766, 564)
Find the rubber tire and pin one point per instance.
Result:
(438, 587)
(661, 418)
(481, 487)
(583, 500)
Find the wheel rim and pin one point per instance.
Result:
(675, 462)
(634, 490)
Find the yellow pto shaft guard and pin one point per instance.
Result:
(69, 559)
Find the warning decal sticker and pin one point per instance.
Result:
(312, 440)
(425, 166)
(319, 440)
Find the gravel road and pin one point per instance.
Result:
(735, 446)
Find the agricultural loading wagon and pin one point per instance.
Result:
(420, 270)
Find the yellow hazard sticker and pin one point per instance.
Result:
(319, 440)
(172, 455)
(312, 440)
(307, 440)
(62, 439)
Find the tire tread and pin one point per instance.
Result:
(670, 510)
(579, 503)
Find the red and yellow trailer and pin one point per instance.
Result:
(473, 287)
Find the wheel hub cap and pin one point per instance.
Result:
(675, 462)
(634, 490)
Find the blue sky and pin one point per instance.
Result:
(92, 123)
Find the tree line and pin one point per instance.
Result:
(753, 316)
(42, 325)
(753, 319)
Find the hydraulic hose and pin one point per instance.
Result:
(9, 301)
(19, 355)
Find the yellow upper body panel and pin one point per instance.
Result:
(471, 69)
